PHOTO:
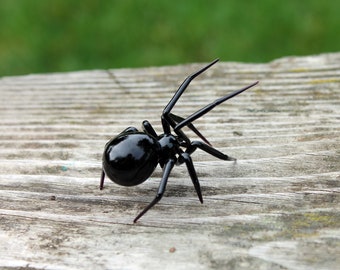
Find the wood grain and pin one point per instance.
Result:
(277, 207)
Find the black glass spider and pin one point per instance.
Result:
(131, 157)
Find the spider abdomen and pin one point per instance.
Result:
(130, 158)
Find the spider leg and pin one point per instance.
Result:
(101, 185)
(207, 148)
(149, 129)
(166, 120)
(183, 86)
(179, 119)
(192, 172)
(209, 107)
(166, 172)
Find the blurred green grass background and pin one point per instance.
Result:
(39, 36)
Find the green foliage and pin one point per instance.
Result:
(63, 35)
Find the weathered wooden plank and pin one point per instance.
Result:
(277, 207)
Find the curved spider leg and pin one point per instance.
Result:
(147, 127)
(183, 86)
(179, 119)
(166, 120)
(192, 172)
(210, 106)
(166, 172)
(166, 123)
(207, 148)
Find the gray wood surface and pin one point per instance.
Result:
(277, 207)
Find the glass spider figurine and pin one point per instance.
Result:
(131, 157)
